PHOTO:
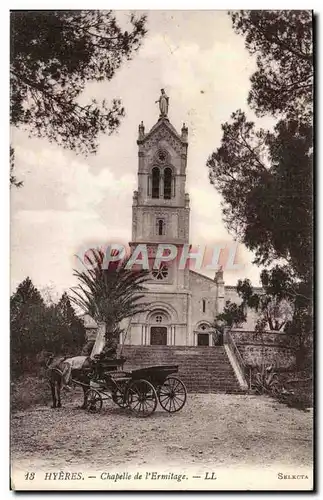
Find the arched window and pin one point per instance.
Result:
(160, 227)
(159, 316)
(203, 305)
(155, 182)
(168, 183)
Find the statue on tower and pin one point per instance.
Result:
(163, 104)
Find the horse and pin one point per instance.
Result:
(60, 370)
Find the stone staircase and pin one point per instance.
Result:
(202, 369)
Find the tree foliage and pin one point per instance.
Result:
(13, 179)
(54, 54)
(27, 317)
(73, 324)
(283, 44)
(109, 294)
(233, 315)
(275, 312)
(36, 326)
(266, 177)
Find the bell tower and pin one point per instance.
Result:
(161, 205)
(160, 215)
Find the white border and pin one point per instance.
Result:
(4, 198)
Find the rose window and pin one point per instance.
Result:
(161, 273)
(162, 156)
(158, 318)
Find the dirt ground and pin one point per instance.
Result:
(217, 429)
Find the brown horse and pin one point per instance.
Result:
(60, 370)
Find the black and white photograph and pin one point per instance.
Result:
(161, 250)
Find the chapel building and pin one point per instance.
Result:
(183, 302)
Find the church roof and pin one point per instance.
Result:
(202, 276)
(162, 122)
(166, 122)
(226, 287)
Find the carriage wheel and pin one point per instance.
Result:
(94, 401)
(172, 394)
(118, 397)
(141, 398)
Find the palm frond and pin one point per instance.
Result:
(109, 295)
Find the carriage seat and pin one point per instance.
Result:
(105, 364)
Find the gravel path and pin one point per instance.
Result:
(211, 429)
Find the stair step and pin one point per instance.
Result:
(202, 369)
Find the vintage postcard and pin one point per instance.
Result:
(161, 307)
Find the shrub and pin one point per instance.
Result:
(265, 380)
(29, 391)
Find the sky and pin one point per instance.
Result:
(70, 202)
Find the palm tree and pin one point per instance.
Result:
(109, 295)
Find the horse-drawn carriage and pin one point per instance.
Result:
(139, 390)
